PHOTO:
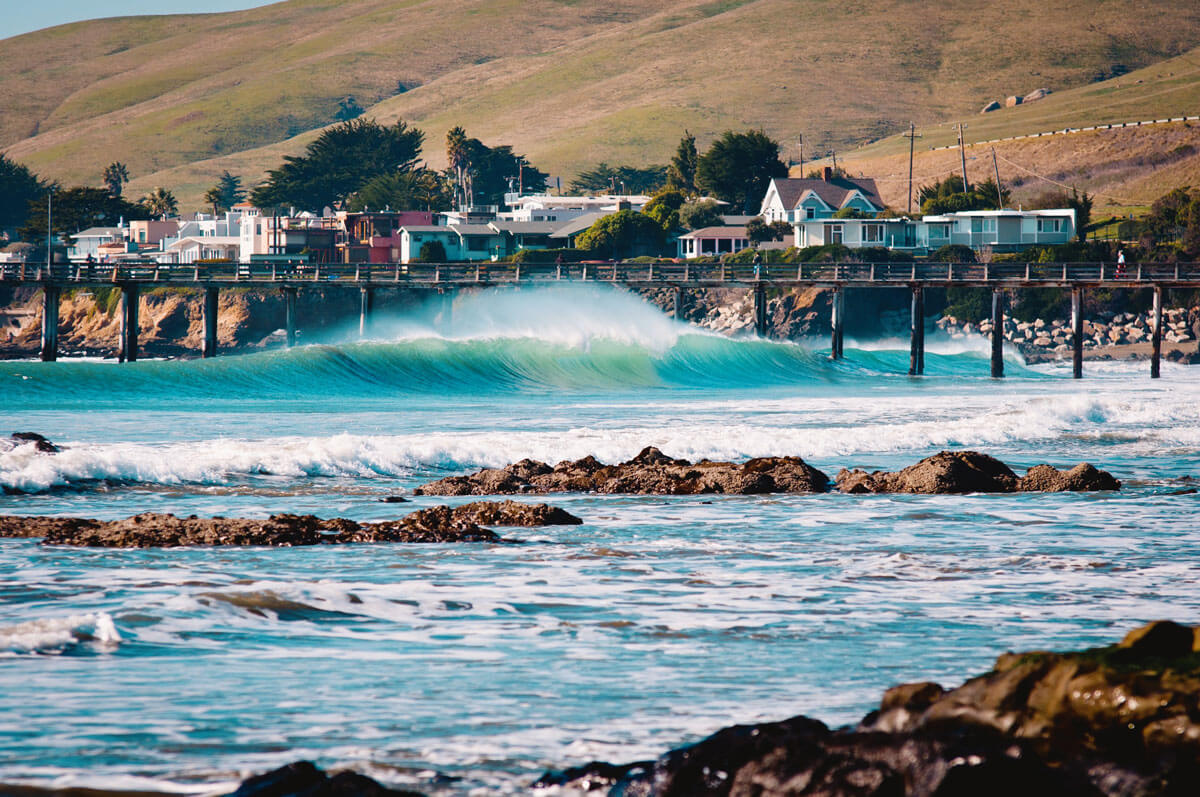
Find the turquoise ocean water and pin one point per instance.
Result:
(462, 669)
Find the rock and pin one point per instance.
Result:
(512, 513)
(34, 527)
(944, 472)
(991, 106)
(303, 778)
(40, 443)
(1084, 477)
(394, 499)
(1111, 721)
(973, 472)
(1013, 101)
(435, 524)
(650, 472)
(1035, 95)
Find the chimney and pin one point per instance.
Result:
(827, 173)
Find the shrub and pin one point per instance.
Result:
(432, 252)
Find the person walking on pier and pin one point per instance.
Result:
(1120, 263)
(757, 265)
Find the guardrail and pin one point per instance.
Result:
(664, 273)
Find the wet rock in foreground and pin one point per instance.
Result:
(650, 472)
(303, 778)
(157, 530)
(973, 472)
(40, 443)
(1115, 721)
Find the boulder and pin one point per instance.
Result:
(1084, 477)
(1013, 101)
(40, 443)
(512, 513)
(944, 472)
(1035, 95)
(305, 778)
(991, 106)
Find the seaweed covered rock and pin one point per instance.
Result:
(651, 472)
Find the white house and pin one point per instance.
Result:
(547, 208)
(793, 199)
(712, 241)
(87, 242)
(998, 230)
(461, 241)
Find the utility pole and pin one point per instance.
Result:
(833, 154)
(912, 137)
(999, 193)
(802, 155)
(49, 195)
(962, 155)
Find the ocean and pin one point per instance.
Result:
(472, 668)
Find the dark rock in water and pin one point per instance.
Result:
(651, 472)
(41, 443)
(1084, 477)
(973, 472)
(596, 776)
(155, 530)
(514, 513)
(304, 779)
(394, 499)
(1116, 721)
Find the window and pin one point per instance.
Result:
(1049, 225)
(810, 213)
(939, 231)
(476, 243)
(836, 232)
(983, 224)
(872, 233)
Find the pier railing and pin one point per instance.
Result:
(664, 274)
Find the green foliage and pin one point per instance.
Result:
(852, 213)
(115, 176)
(758, 231)
(622, 234)
(432, 252)
(1174, 219)
(76, 209)
(969, 304)
(419, 189)
(457, 154)
(664, 207)
(738, 167)
(160, 202)
(700, 213)
(226, 193)
(549, 255)
(948, 196)
(681, 173)
(348, 108)
(828, 253)
(482, 175)
(619, 179)
(339, 162)
(1058, 198)
(20, 190)
(953, 253)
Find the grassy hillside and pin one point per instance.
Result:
(1127, 168)
(568, 82)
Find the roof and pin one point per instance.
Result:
(527, 227)
(717, 232)
(427, 228)
(834, 192)
(577, 225)
(99, 232)
(734, 219)
(473, 229)
(205, 240)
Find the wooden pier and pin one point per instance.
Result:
(444, 278)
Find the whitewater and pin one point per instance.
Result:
(470, 669)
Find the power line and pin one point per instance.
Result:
(1063, 185)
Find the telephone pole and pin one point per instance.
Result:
(912, 136)
(999, 193)
(962, 155)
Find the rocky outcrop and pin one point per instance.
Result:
(304, 778)
(155, 530)
(973, 472)
(1120, 720)
(39, 442)
(650, 472)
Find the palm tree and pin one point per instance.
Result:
(160, 202)
(213, 197)
(458, 153)
(115, 176)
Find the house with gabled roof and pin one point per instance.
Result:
(794, 199)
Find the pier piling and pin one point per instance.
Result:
(997, 334)
(1156, 334)
(130, 296)
(916, 354)
(367, 308)
(209, 347)
(678, 309)
(289, 313)
(50, 297)
(1077, 332)
(760, 310)
(839, 308)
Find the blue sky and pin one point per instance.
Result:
(22, 16)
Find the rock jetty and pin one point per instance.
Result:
(156, 530)
(649, 473)
(1119, 720)
(973, 472)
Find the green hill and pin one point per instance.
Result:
(567, 82)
